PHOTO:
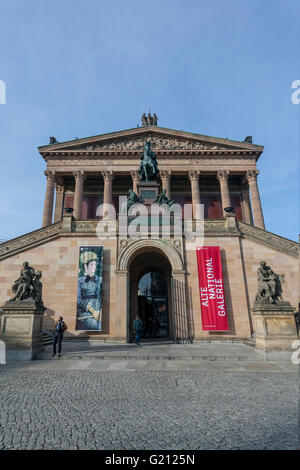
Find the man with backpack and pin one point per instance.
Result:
(59, 329)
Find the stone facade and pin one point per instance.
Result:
(185, 161)
(58, 260)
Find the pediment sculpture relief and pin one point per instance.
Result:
(157, 142)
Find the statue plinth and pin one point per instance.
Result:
(148, 191)
(275, 326)
(21, 324)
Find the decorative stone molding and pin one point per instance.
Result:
(89, 226)
(29, 240)
(163, 246)
(177, 243)
(269, 239)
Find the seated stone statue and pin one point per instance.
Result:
(22, 287)
(269, 285)
(28, 286)
(162, 199)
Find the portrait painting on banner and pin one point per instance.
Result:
(89, 293)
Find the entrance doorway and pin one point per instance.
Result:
(153, 304)
(150, 295)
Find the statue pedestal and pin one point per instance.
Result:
(275, 326)
(148, 191)
(21, 324)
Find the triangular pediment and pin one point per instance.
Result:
(160, 138)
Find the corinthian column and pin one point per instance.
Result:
(135, 179)
(223, 176)
(194, 179)
(246, 204)
(166, 181)
(79, 180)
(255, 198)
(59, 200)
(108, 176)
(48, 204)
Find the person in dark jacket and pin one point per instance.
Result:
(297, 320)
(137, 329)
(59, 329)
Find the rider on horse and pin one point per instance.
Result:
(148, 167)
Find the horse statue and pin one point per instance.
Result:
(148, 166)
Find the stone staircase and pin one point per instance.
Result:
(154, 351)
(47, 337)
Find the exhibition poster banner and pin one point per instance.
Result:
(212, 298)
(89, 293)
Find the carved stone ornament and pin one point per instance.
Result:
(223, 174)
(252, 174)
(79, 174)
(194, 174)
(108, 174)
(157, 142)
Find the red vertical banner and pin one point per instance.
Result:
(212, 297)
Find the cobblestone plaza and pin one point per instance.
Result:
(188, 405)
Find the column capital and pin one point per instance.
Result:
(223, 175)
(165, 174)
(252, 174)
(108, 174)
(194, 175)
(59, 187)
(79, 174)
(51, 175)
(135, 174)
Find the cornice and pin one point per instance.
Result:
(155, 130)
(269, 239)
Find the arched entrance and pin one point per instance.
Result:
(150, 294)
(138, 257)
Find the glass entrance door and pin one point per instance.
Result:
(153, 305)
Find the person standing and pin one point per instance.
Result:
(59, 329)
(137, 329)
(297, 319)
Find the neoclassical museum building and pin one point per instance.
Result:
(100, 283)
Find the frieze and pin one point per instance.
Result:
(269, 239)
(86, 226)
(101, 164)
(157, 142)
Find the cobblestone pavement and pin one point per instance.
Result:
(60, 407)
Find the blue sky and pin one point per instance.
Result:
(75, 68)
